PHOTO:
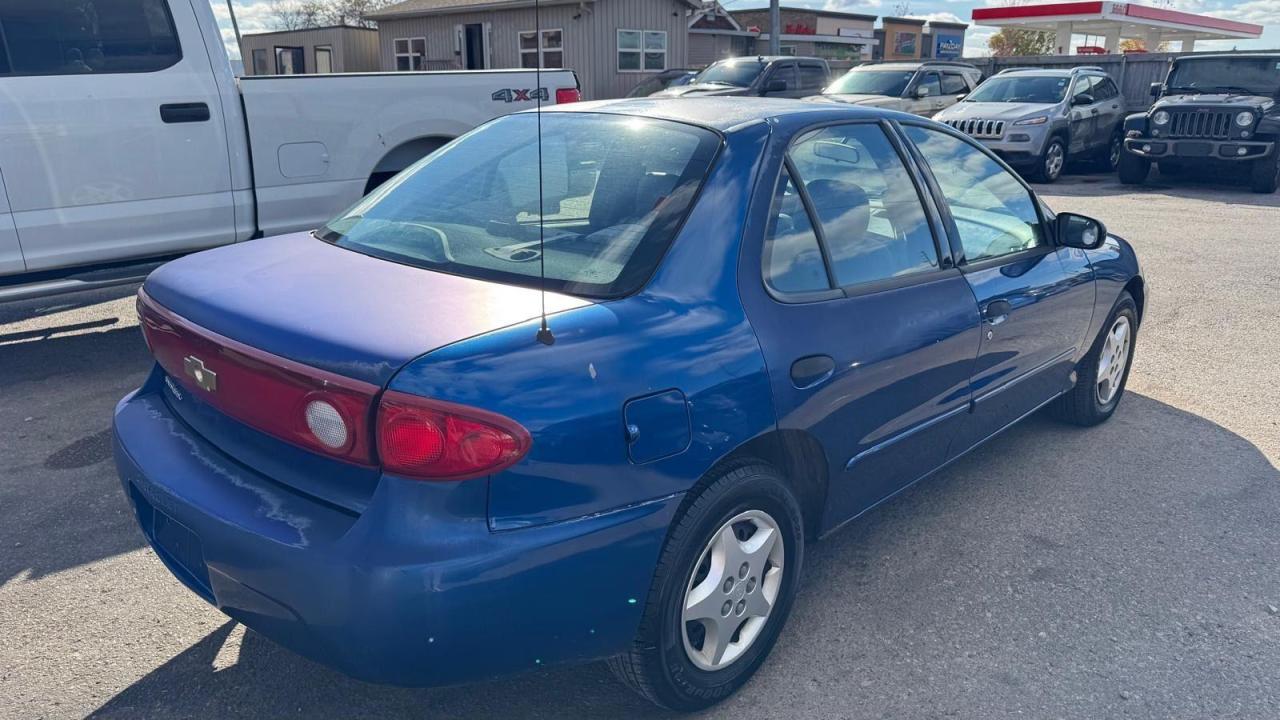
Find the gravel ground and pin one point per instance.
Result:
(1126, 571)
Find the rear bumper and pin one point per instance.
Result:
(416, 590)
(1192, 150)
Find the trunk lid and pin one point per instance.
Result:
(334, 309)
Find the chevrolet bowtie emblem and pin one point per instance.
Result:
(204, 377)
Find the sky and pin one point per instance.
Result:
(255, 16)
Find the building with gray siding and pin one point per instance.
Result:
(613, 45)
(315, 50)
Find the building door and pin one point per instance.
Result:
(290, 61)
(473, 46)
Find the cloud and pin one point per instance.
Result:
(252, 16)
(939, 16)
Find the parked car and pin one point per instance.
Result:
(365, 443)
(662, 81)
(1037, 120)
(772, 75)
(127, 140)
(921, 88)
(1212, 111)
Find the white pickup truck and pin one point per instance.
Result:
(125, 138)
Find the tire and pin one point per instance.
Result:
(1088, 403)
(660, 664)
(1110, 154)
(1264, 176)
(1052, 160)
(1133, 169)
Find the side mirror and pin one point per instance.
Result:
(1156, 89)
(1085, 99)
(1078, 231)
(775, 86)
(961, 96)
(922, 91)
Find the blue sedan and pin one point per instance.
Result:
(537, 403)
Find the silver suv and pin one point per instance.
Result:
(1038, 119)
(922, 88)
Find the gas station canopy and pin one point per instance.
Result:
(1114, 21)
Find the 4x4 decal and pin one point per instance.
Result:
(520, 95)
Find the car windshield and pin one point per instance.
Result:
(738, 73)
(1046, 89)
(614, 190)
(871, 82)
(1248, 75)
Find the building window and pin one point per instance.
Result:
(410, 53)
(547, 44)
(260, 66)
(290, 61)
(324, 59)
(642, 50)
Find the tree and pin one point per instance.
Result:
(1012, 41)
(302, 14)
(1134, 45)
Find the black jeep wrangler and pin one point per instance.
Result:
(1212, 110)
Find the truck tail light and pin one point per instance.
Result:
(567, 95)
(434, 440)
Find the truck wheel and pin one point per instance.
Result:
(721, 592)
(1133, 169)
(1052, 160)
(1265, 176)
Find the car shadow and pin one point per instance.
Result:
(1216, 185)
(55, 466)
(1041, 553)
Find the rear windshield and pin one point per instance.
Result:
(614, 191)
(1046, 89)
(871, 82)
(1254, 76)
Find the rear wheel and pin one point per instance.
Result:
(1052, 160)
(1133, 169)
(1102, 374)
(721, 592)
(1265, 174)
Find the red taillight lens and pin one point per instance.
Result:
(567, 95)
(436, 440)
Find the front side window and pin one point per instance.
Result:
(1046, 89)
(614, 190)
(642, 50)
(1105, 89)
(865, 204)
(931, 83)
(74, 37)
(994, 214)
(1084, 86)
(546, 46)
(410, 53)
(785, 74)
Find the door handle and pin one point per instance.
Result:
(184, 112)
(996, 312)
(812, 370)
(1094, 111)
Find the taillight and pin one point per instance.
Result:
(567, 95)
(435, 440)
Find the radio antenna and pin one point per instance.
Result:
(545, 336)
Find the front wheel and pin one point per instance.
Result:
(721, 592)
(1133, 169)
(1102, 374)
(1265, 174)
(1052, 160)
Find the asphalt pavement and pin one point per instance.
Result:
(1126, 571)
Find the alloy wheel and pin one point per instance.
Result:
(1117, 147)
(1054, 159)
(1113, 359)
(733, 589)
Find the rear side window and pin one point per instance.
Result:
(1105, 89)
(953, 84)
(614, 190)
(812, 77)
(80, 37)
(792, 258)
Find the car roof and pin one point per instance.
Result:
(769, 58)
(723, 114)
(1048, 72)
